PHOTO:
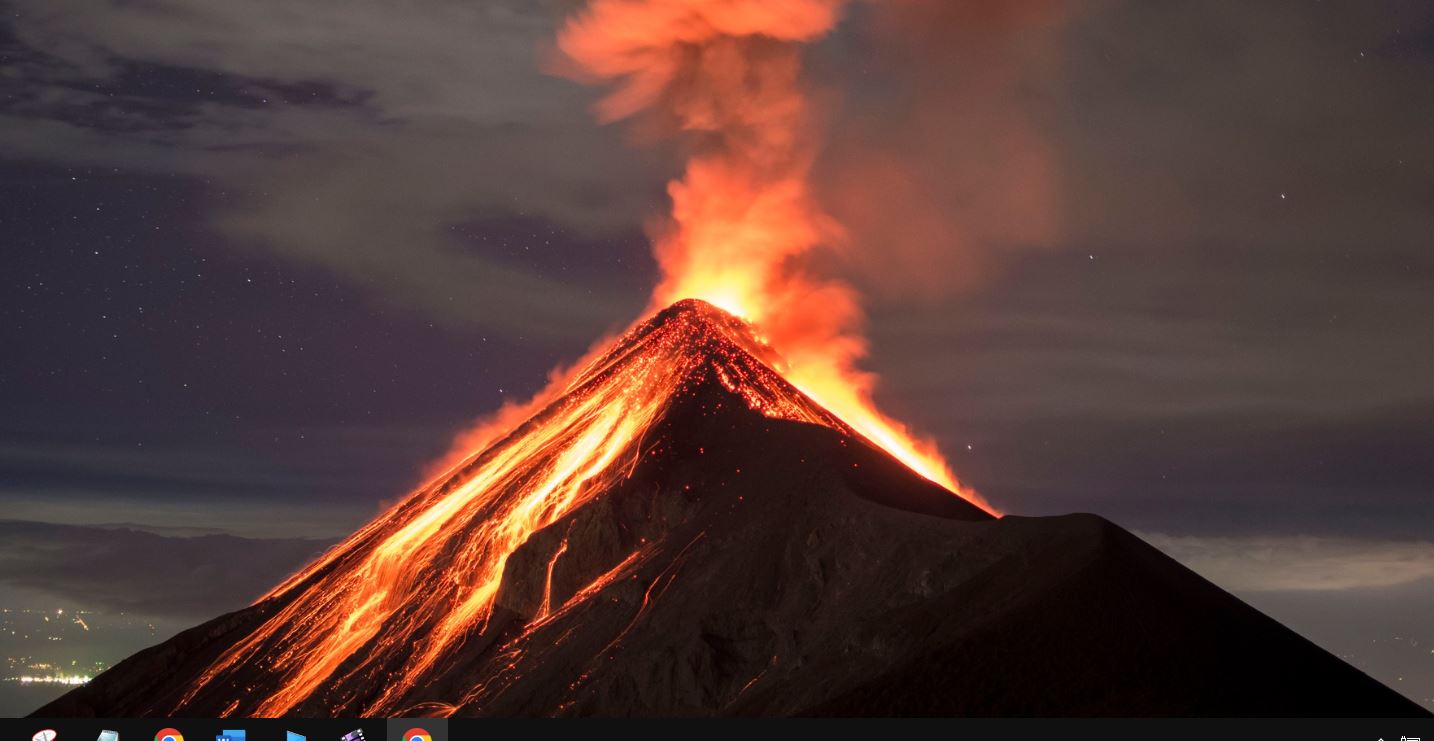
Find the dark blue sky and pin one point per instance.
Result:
(158, 363)
(260, 261)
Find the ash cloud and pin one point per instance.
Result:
(352, 137)
(941, 164)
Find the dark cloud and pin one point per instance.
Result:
(1301, 563)
(123, 570)
(1127, 223)
(251, 490)
(349, 137)
(1364, 600)
(1232, 330)
(1382, 631)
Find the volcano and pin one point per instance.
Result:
(683, 532)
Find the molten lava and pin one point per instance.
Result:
(684, 533)
(745, 226)
(423, 576)
(422, 579)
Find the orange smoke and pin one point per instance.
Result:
(726, 76)
(950, 172)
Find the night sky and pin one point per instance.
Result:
(1169, 262)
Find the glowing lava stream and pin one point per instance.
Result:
(384, 608)
(724, 79)
(419, 578)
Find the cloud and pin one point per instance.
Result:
(1199, 348)
(1299, 563)
(325, 483)
(122, 569)
(351, 136)
(1194, 324)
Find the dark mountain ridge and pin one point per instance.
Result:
(757, 557)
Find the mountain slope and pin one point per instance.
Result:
(741, 552)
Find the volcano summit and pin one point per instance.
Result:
(683, 532)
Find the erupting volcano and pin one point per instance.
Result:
(708, 514)
(685, 532)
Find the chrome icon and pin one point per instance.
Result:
(169, 734)
(417, 734)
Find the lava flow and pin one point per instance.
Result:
(388, 606)
(725, 77)
(420, 578)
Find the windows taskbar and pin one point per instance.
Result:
(964, 729)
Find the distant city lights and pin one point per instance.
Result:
(72, 679)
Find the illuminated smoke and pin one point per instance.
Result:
(726, 76)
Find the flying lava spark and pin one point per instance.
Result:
(422, 579)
